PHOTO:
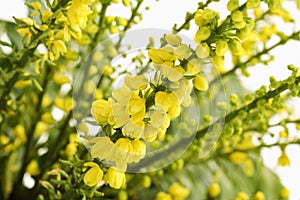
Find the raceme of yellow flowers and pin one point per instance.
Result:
(73, 18)
(141, 110)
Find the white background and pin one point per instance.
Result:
(164, 13)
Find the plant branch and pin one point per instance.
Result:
(230, 116)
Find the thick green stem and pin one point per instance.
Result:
(230, 116)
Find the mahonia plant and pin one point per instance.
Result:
(50, 64)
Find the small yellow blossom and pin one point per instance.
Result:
(232, 5)
(253, 3)
(36, 6)
(284, 193)
(283, 160)
(221, 47)
(173, 39)
(202, 34)
(178, 192)
(238, 157)
(66, 104)
(200, 83)
(103, 148)
(19, 133)
(259, 196)
(163, 196)
(202, 50)
(33, 168)
(214, 190)
(139, 82)
(94, 175)
(115, 178)
(102, 110)
(46, 14)
(169, 71)
(242, 196)
(235, 47)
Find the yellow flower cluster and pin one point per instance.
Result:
(176, 192)
(171, 61)
(137, 112)
(238, 29)
(60, 30)
(94, 176)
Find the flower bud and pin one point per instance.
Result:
(252, 3)
(233, 5)
(202, 34)
(214, 190)
(235, 47)
(202, 50)
(221, 47)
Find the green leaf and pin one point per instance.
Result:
(10, 29)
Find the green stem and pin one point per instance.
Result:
(129, 22)
(258, 55)
(230, 116)
(189, 19)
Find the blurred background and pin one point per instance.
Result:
(165, 13)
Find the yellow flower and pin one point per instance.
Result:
(169, 71)
(241, 196)
(161, 55)
(182, 51)
(238, 157)
(36, 6)
(248, 167)
(134, 129)
(202, 34)
(173, 39)
(19, 133)
(102, 110)
(200, 83)
(138, 150)
(163, 196)
(115, 178)
(259, 196)
(71, 149)
(178, 192)
(94, 175)
(252, 3)
(122, 153)
(218, 61)
(139, 82)
(55, 47)
(284, 193)
(46, 14)
(194, 66)
(137, 108)
(202, 50)
(182, 91)
(235, 47)
(209, 14)
(102, 148)
(283, 160)
(66, 104)
(214, 190)
(221, 47)
(33, 168)
(25, 32)
(232, 5)
(41, 128)
(126, 3)
(78, 12)
(169, 102)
